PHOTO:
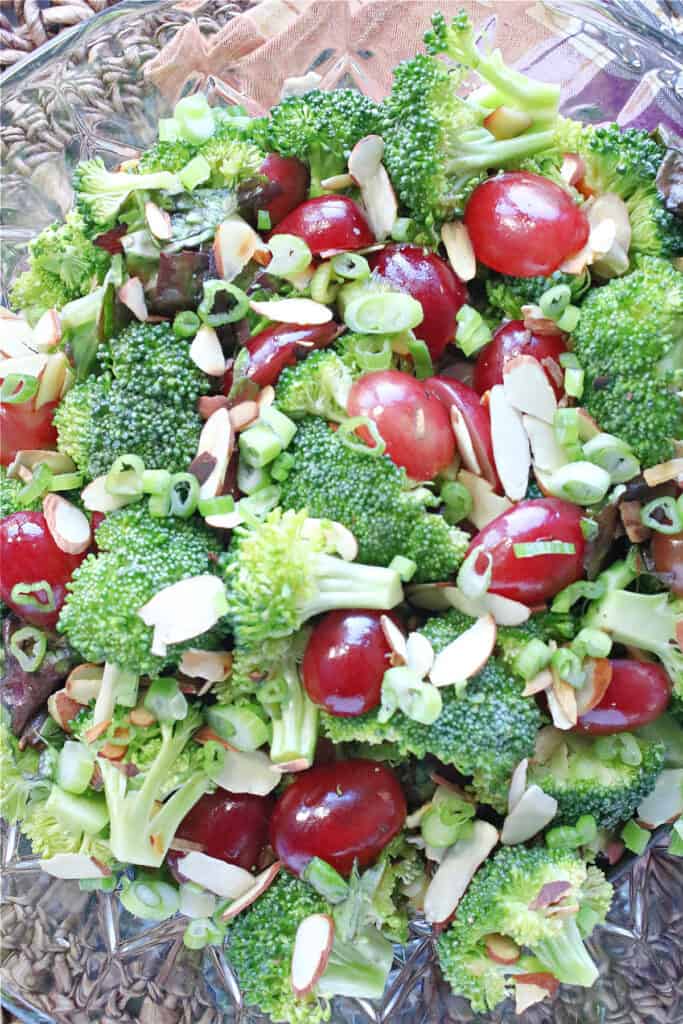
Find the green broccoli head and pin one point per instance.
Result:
(508, 294)
(260, 947)
(606, 777)
(436, 548)
(149, 358)
(100, 194)
(18, 771)
(10, 500)
(628, 340)
(138, 556)
(281, 572)
(513, 641)
(317, 386)
(501, 900)
(484, 733)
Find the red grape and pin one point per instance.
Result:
(23, 426)
(510, 340)
(639, 692)
(280, 345)
(328, 225)
(346, 657)
(230, 826)
(667, 551)
(292, 177)
(339, 812)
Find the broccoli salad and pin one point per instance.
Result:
(342, 530)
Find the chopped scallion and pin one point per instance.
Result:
(405, 567)
(372, 353)
(18, 388)
(351, 265)
(573, 382)
(165, 700)
(472, 332)
(662, 515)
(458, 501)
(186, 324)
(195, 173)
(613, 455)
(263, 221)
(383, 313)
(124, 479)
(66, 482)
(554, 301)
(28, 645)
(238, 310)
(580, 482)
(27, 594)
(347, 436)
(222, 505)
(323, 286)
(419, 353)
(291, 255)
(184, 494)
(150, 900)
(474, 575)
(39, 484)
(543, 547)
(194, 118)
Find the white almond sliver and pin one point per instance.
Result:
(532, 812)
(72, 866)
(466, 655)
(132, 295)
(158, 221)
(293, 311)
(464, 442)
(312, 948)
(68, 526)
(665, 802)
(517, 784)
(548, 454)
(486, 504)
(456, 871)
(419, 654)
(234, 246)
(206, 352)
(381, 205)
(220, 878)
(365, 158)
(247, 771)
(212, 666)
(97, 498)
(48, 331)
(218, 440)
(395, 638)
(505, 611)
(510, 444)
(184, 610)
(459, 249)
(528, 389)
(261, 883)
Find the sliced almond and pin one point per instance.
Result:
(527, 388)
(158, 221)
(486, 504)
(266, 397)
(84, 682)
(560, 719)
(517, 784)
(532, 812)
(311, 953)
(510, 444)
(528, 993)
(62, 709)
(337, 182)
(466, 655)
(419, 654)
(220, 878)
(132, 295)
(598, 677)
(112, 751)
(459, 249)
(52, 380)
(184, 610)
(565, 695)
(97, 498)
(47, 333)
(299, 764)
(663, 472)
(573, 168)
(243, 415)
(261, 883)
(665, 802)
(464, 442)
(548, 455)
(218, 440)
(213, 666)
(28, 458)
(502, 949)
(141, 717)
(68, 526)
(206, 352)
(610, 236)
(365, 158)
(293, 311)
(235, 244)
(456, 871)
(507, 122)
(245, 771)
(539, 684)
(549, 894)
(396, 640)
(208, 404)
(225, 520)
(380, 202)
(505, 611)
(537, 322)
(73, 866)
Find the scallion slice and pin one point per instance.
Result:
(383, 313)
(156, 481)
(66, 482)
(568, 666)
(18, 388)
(405, 567)
(75, 766)
(404, 690)
(592, 642)
(581, 482)
(195, 173)
(567, 426)
(194, 118)
(613, 455)
(474, 575)
(555, 300)
(472, 332)
(240, 724)
(281, 425)
(458, 501)
(574, 382)
(27, 594)
(347, 436)
(202, 932)
(291, 255)
(253, 508)
(532, 658)
(662, 515)
(419, 353)
(403, 229)
(323, 286)
(195, 901)
(165, 700)
(372, 353)
(280, 469)
(150, 900)
(222, 505)
(124, 479)
(28, 645)
(259, 445)
(39, 484)
(351, 266)
(186, 324)
(263, 221)
(184, 493)
(569, 319)
(325, 880)
(238, 311)
(543, 547)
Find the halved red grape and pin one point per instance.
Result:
(230, 826)
(328, 224)
(22, 426)
(280, 345)
(452, 392)
(412, 421)
(667, 551)
(513, 339)
(346, 657)
(639, 692)
(340, 812)
(291, 175)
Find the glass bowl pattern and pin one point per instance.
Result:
(99, 89)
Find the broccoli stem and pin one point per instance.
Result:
(358, 969)
(642, 620)
(478, 156)
(295, 723)
(341, 584)
(567, 958)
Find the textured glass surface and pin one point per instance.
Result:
(98, 89)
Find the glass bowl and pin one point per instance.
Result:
(98, 89)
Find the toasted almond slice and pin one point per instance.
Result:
(381, 205)
(663, 472)
(528, 993)
(208, 404)
(510, 444)
(97, 498)
(220, 878)
(532, 812)
(218, 440)
(261, 883)
(206, 352)
(68, 526)
(565, 695)
(549, 894)
(27, 458)
(141, 717)
(598, 677)
(73, 866)
(266, 397)
(456, 871)
(235, 244)
(459, 249)
(62, 708)
(419, 654)
(247, 771)
(527, 388)
(464, 442)
(396, 640)
(560, 719)
(293, 311)
(365, 158)
(312, 948)
(538, 684)
(548, 454)
(84, 682)
(573, 168)
(502, 949)
(486, 504)
(95, 731)
(132, 295)
(243, 415)
(505, 611)
(47, 333)
(536, 321)
(112, 751)
(184, 610)
(466, 655)
(517, 784)
(665, 802)
(337, 182)
(51, 385)
(213, 666)
(31, 365)
(507, 122)
(158, 221)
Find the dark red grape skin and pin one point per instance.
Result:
(229, 826)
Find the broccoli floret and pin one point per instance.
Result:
(485, 732)
(369, 496)
(64, 265)
(50, 835)
(100, 194)
(628, 340)
(508, 294)
(281, 572)
(318, 386)
(500, 899)
(138, 556)
(231, 160)
(513, 641)
(436, 146)
(18, 769)
(606, 777)
(147, 409)
(141, 831)
(625, 161)
(10, 501)
(260, 946)
(230, 152)
(321, 128)
(166, 156)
